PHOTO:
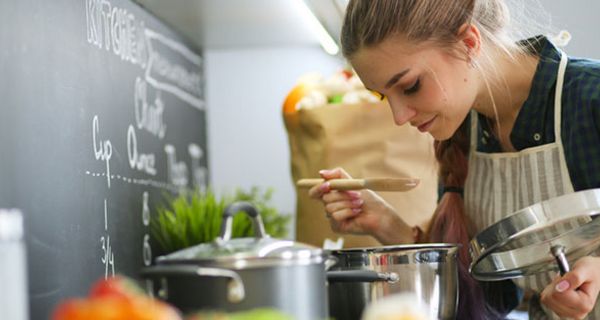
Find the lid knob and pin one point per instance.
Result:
(231, 211)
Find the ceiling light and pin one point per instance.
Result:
(325, 39)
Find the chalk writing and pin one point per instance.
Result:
(165, 67)
(165, 74)
(148, 116)
(147, 251)
(108, 256)
(176, 171)
(109, 27)
(145, 209)
(140, 161)
(102, 148)
(199, 173)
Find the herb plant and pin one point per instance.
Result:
(192, 218)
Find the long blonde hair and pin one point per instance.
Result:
(368, 23)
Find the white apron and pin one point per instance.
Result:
(499, 184)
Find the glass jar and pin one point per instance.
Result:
(13, 269)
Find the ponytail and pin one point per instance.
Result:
(451, 225)
(449, 222)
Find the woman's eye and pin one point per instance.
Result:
(414, 88)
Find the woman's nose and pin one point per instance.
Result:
(402, 113)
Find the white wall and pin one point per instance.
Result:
(245, 90)
(579, 17)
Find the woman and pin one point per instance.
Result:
(521, 119)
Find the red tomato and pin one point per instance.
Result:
(115, 308)
(115, 298)
(347, 73)
(73, 309)
(116, 286)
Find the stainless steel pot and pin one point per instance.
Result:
(428, 270)
(244, 273)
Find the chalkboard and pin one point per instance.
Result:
(102, 113)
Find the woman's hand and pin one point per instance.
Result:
(574, 294)
(360, 212)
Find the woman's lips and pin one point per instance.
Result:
(425, 126)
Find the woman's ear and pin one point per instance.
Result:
(470, 40)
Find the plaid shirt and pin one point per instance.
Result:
(580, 114)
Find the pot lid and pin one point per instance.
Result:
(243, 249)
(262, 250)
(543, 237)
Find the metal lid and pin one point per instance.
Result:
(539, 238)
(11, 225)
(260, 251)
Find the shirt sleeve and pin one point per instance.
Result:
(582, 128)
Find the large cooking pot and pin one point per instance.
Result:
(427, 270)
(247, 273)
(244, 273)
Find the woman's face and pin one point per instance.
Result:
(425, 85)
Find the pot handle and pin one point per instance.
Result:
(361, 276)
(558, 252)
(235, 288)
(232, 210)
(330, 261)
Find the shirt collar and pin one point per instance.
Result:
(533, 116)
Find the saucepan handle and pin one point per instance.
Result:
(330, 261)
(235, 288)
(558, 252)
(361, 276)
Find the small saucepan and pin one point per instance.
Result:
(427, 270)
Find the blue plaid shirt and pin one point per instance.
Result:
(580, 114)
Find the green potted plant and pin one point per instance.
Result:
(195, 217)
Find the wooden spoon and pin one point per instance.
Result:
(375, 184)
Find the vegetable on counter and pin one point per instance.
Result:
(115, 298)
(313, 90)
(398, 306)
(256, 314)
(119, 298)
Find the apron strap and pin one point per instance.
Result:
(473, 132)
(557, 106)
(558, 96)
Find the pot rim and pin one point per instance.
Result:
(243, 263)
(399, 247)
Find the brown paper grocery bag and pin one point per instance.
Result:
(362, 139)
